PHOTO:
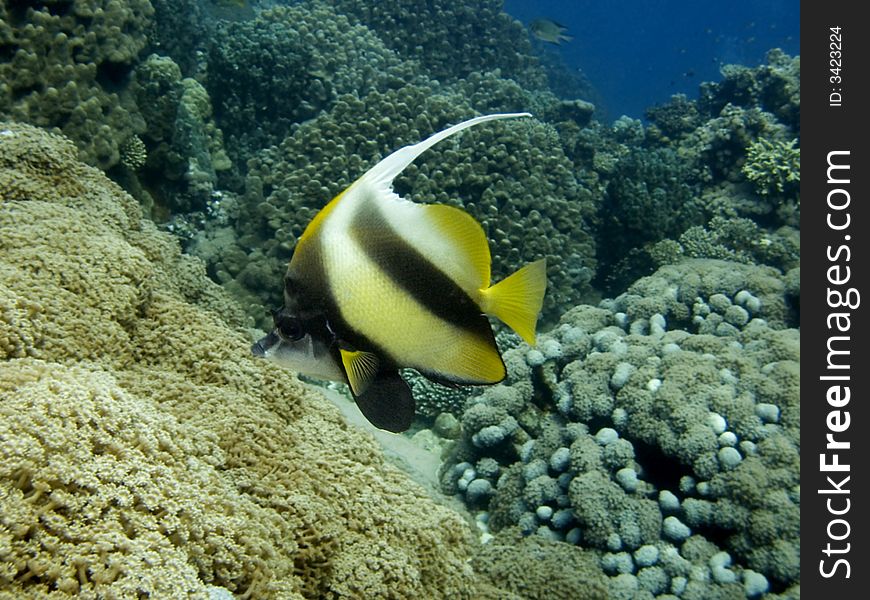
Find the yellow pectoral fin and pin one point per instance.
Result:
(518, 299)
(361, 368)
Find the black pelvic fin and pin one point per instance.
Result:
(387, 402)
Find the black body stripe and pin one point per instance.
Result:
(311, 297)
(415, 273)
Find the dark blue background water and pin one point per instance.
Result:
(639, 52)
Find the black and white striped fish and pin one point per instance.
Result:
(378, 283)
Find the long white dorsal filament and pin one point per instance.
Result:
(383, 173)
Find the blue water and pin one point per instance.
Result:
(638, 53)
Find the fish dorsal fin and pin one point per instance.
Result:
(377, 184)
(468, 262)
(383, 173)
(361, 368)
(448, 236)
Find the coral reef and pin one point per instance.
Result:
(738, 239)
(774, 87)
(186, 146)
(729, 156)
(65, 67)
(288, 65)
(646, 447)
(145, 452)
(512, 177)
(660, 428)
(451, 40)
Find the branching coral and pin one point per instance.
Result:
(773, 166)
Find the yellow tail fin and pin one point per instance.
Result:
(517, 299)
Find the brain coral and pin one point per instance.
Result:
(144, 452)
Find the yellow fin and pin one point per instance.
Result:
(361, 368)
(317, 222)
(470, 269)
(477, 362)
(517, 299)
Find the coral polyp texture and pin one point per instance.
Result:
(67, 69)
(451, 39)
(660, 428)
(646, 447)
(145, 453)
(288, 65)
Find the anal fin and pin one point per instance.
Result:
(387, 402)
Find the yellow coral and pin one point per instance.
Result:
(143, 452)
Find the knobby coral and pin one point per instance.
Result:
(144, 452)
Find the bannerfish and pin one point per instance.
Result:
(547, 30)
(377, 283)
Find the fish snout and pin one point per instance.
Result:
(261, 346)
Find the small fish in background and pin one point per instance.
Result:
(549, 31)
(378, 283)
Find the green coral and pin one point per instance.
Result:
(773, 166)
(675, 118)
(650, 195)
(186, 149)
(451, 40)
(66, 68)
(134, 154)
(677, 188)
(288, 65)
(719, 144)
(738, 239)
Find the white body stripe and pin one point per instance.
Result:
(377, 307)
(382, 310)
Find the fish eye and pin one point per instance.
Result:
(290, 329)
